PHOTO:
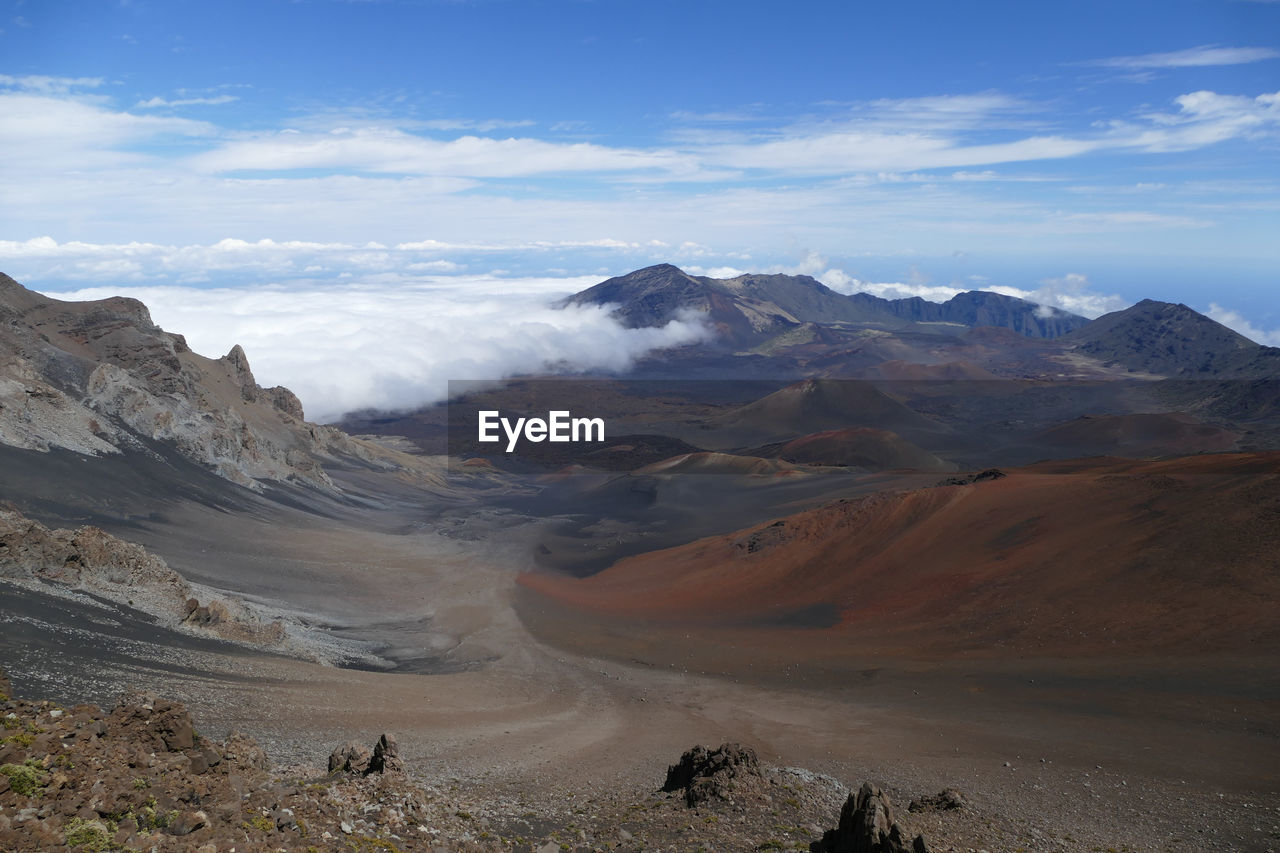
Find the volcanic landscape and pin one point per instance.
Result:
(973, 547)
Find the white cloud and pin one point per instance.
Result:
(1128, 219)
(393, 342)
(1073, 292)
(1204, 118)
(44, 258)
(1238, 322)
(1195, 57)
(44, 85)
(920, 142)
(42, 134)
(477, 125)
(947, 112)
(79, 168)
(152, 103)
(389, 150)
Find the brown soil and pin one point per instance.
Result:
(1096, 558)
(578, 720)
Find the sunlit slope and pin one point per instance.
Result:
(1101, 556)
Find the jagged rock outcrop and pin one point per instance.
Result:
(144, 777)
(101, 378)
(702, 773)
(354, 758)
(386, 756)
(92, 560)
(867, 826)
(351, 757)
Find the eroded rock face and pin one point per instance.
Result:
(386, 756)
(867, 826)
(349, 758)
(702, 773)
(93, 560)
(100, 377)
(353, 758)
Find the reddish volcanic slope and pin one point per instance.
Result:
(1097, 556)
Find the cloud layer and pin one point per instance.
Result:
(916, 173)
(394, 343)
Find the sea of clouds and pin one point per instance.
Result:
(393, 340)
(393, 343)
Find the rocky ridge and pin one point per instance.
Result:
(89, 560)
(100, 377)
(750, 308)
(142, 777)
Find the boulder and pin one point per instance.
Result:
(702, 773)
(349, 758)
(189, 822)
(353, 758)
(386, 756)
(867, 826)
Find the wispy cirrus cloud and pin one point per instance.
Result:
(52, 135)
(1201, 119)
(889, 173)
(214, 100)
(488, 125)
(45, 259)
(1238, 322)
(390, 150)
(1194, 57)
(46, 85)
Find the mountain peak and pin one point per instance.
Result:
(753, 307)
(1165, 338)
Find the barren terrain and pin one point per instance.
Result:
(1055, 750)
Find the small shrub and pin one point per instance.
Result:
(148, 818)
(261, 823)
(88, 835)
(25, 779)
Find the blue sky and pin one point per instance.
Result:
(1087, 153)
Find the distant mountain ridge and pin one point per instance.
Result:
(981, 308)
(749, 309)
(1173, 340)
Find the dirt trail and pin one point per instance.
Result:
(510, 710)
